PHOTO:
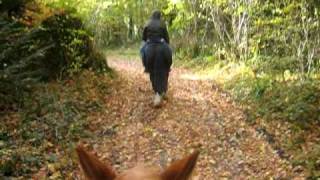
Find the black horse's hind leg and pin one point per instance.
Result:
(164, 82)
(152, 80)
(159, 81)
(159, 60)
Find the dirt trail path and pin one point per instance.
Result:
(197, 115)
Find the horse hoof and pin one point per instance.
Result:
(157, 100)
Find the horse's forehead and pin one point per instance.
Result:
(141, 173)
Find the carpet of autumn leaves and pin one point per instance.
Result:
(197, 115)
(123, 128)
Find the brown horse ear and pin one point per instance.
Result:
(92, 167)
(181, 169)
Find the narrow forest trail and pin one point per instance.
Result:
(197, 115)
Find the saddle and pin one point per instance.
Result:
(155, 40)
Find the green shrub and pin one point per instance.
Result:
(295, 100)
(58, 48)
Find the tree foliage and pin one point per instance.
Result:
(235, 30)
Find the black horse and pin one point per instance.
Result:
(158, 63)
